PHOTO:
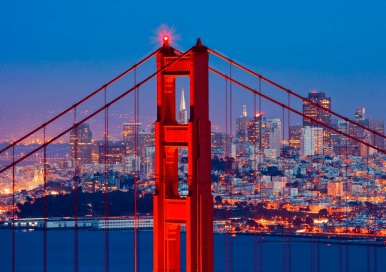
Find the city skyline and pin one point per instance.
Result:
(69, 76)
(278, 137)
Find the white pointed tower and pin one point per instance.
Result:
(183, 114)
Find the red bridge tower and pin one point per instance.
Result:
(170, 209)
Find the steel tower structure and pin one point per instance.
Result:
(170, 209)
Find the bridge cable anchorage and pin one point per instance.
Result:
(75, 195)
(295, 94)
(94, 113)
(80, 102)
(226, 177)
(13, 209)
(231, 140)
(298, 113)
(106, 187)
(45, 202)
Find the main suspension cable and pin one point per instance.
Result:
(294, 94)
(81, 101)
(94, 113)
(297, 112)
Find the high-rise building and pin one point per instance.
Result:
(378, 126)
(318, 114)
(183, 113)
(294, 136)
(253, 129)
(115, 152)
(83, 135)
(129, 130)
(273, 134)
(359, 114)
(241, 131)
(311, 141)
(149, 165)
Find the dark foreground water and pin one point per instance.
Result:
(60, 252)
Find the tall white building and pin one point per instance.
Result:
(149, 167)
(183, 113)
(273, 129)
(311, 141)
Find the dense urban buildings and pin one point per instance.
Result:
(256, 160)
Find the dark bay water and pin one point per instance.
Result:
(60, 252)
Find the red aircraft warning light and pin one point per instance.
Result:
(166, 39)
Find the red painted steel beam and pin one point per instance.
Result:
(93, 114)
(80, 102)
(295, 111)
(292, 93)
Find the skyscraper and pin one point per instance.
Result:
(241, 130)
(319, 114)
(83, 135)
(183, 113)
(129, 130)
(294, 137)
(273, 133)
(311, 141)
(378, 126)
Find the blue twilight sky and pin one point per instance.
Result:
(53, 53)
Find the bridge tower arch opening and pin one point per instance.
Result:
(170, 209)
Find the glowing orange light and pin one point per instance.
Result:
(166, 38)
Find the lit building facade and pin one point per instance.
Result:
(83, 135)
(318, 114)
(311, 141)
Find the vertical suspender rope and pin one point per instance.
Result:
(289, 181)
(135, 174)
(226, 176)
(312, 181)
(76, 196)
(255, 174)
(107, 224)
(375, 211)
(367, 199)
(283, 184)
(346, 215)
(339, 206)
(231, 140)
(45, 204)
(260, 162)
(13, 210)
